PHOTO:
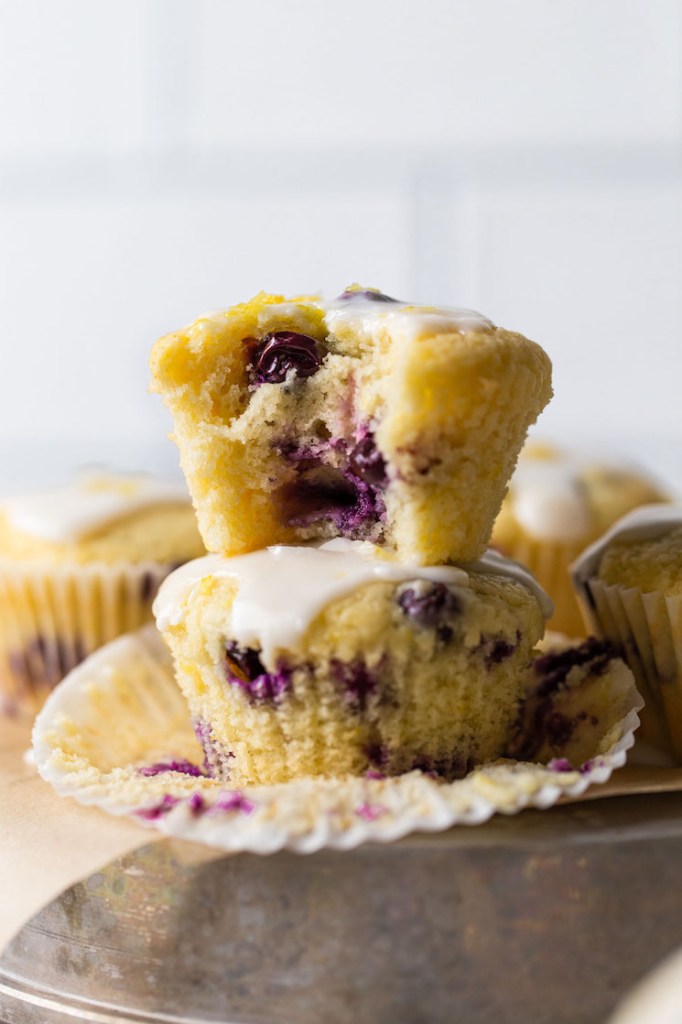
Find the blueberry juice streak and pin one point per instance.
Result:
(340, 483)
(244, 669)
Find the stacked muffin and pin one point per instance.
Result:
(347, 462)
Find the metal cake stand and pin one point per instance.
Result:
(548, 916)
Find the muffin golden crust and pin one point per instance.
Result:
(651, 565)
(364, 418)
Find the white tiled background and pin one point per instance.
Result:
(162, 157)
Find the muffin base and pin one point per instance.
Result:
(646, 628)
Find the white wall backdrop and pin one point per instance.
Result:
(162, 157)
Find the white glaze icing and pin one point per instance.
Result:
(548, 499)
(645, 523)
(68, 514)
(365, 314)
(282, 589)
(409, 319)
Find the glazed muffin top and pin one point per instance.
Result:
(642, 550)
(303, 581)
(558, 497)
(100, 517)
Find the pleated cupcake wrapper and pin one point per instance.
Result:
(549, 561)
(50, 619)
(647, 628)
(116, 734)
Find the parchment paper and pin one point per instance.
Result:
(48, 843)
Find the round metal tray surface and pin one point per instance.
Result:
(549, 916)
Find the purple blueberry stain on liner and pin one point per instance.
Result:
(181, 766)
(560, 764)
(370, 812)
(276, 355)
(160, 809)
(196, 804)
(231, 801)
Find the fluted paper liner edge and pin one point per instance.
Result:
(121, 714)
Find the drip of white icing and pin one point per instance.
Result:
(548, 499)
(281, 590)
(366, 314)
(68, 514)
(648, 522)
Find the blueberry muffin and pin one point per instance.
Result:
(629, 584)
(364, 418)
(78, 566)
(338, 660)
(556, 505)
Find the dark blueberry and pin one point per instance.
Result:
(356, 681)
(46, 660)
(430, 608)
(558, 728)
(246, 670)
(272, 358)
(551, 670)
(378, 755)
(496, 649)
(243, 662)
(366, 461)
(540, 723)
(449, 767)
(373, 294)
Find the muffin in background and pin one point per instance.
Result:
(79, 565)
(557, 504)
(629, 584)
(334, 661)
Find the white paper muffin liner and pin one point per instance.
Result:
(121, 714)
(52, 617)
(647, 628)
(549, 561)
